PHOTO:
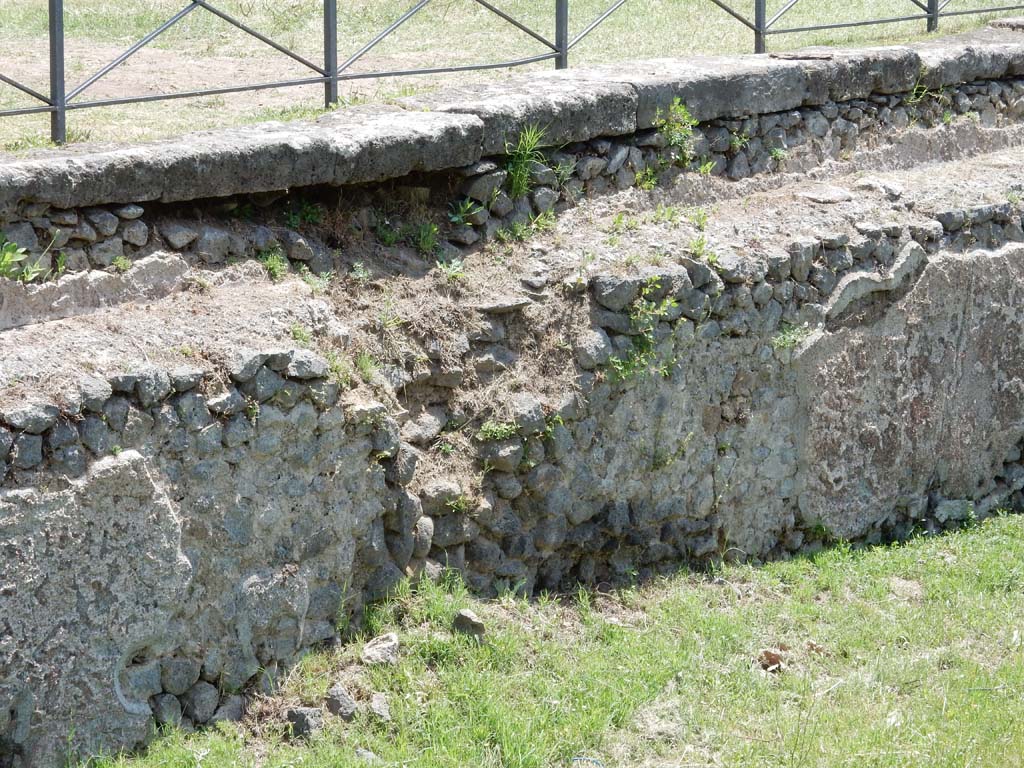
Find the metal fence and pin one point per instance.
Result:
(63, 99)
(929, 11)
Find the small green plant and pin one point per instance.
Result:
(521, 157)
(116, 450)
(252, 409)
(339, 369)
(366, 365)
(300, 334)
(778, 154)
(444, 447)
(644, 315)
(707, 167)
(564, 171)
(665, 214)
(317, 283)
(698, 247)
(452, 271)
(244, 211)
(425, 238)
(306, 213)
(60, 264)
(386, 233)
(676, 125)
(513, 233)
(121, 263)
(34, 271)
(1013, 197)
(647, 179)
(921, 92)
(274, 263)
(621, 223)
(738, 141)
(12, 261)
(555, 420)
(790, 336)
(497, 430)
(460, 505)
(543, 221)
(459, 213)
(360, 273)
(699, 218)
(947, 117)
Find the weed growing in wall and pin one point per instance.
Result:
(13, 264)
(121, 264)
(496, 430)
(521, 157)
(644, 316)
(676, 125)
(460, 212)
(647, 179)
(790, 336)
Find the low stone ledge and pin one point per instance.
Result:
(459, 126)
(347, 147)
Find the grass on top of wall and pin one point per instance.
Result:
(897, 656)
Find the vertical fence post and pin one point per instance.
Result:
(58, 117)
(933, 15)
(760, 25)
(331, 52)
(562, 33)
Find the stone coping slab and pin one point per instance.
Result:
(459, 126)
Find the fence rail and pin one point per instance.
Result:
(763, 25)
(62, 99)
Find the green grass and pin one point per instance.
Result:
(902, 656)
(641, 29)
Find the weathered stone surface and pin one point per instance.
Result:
(83, 292)
(887, 445)
(379, 708)
(381, 650)
(177, 675)
(339, 702)
(593, 348)
(200, 702)
(468, 623)
(305, 722)
(348, 146)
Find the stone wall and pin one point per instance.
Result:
(174, 537)
(111, 238)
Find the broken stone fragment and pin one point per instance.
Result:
(379, 708)
(340, 703)
(381, 650)
(304, 722)
(468, 623)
